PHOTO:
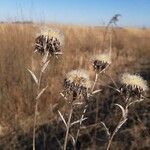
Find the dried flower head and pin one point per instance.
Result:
(101, 61)
(49, 40)
(133, 85)
(77, 81)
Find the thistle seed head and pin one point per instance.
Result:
(77, 81)
(49, 40)
(101, 61)
(133, 85)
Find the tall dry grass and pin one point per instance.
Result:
(16, 50)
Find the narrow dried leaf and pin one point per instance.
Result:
(124, 113)
(58, 53)
(121, 123)
(35, 50)
(45, 66)
(61, 116)
(137, 101)
(107, 130)
(73, 140)
(33, 76)
(63, 96)
(96, 91)
(38, 45)
(45, 57)
(78, 121)
(42, 91)
(78, 103)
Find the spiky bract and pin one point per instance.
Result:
(101, 61)
(49, 40)
(133, 85)
(77, 81)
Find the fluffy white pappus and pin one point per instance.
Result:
(79, 77)
(134, 81)
(55, 33)
(104, 57)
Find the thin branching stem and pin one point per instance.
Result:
(80, 123)
(97, 102)
(119, 125)
(110, 44)
(39, 84)
(109, 26)
(68, 127)
(113, 134)
(95, 81)
(85, 108)
(36, 107)
(36, 110)
(34, 125)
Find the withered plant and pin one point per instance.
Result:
(132, 90)
(76, 90)
(48, 43)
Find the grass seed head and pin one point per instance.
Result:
(133, 85)
(101, 61)
(49, 40)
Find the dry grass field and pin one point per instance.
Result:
(131, 52)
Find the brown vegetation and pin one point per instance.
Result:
(131, 51)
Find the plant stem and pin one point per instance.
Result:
(96, 78)
(84, 111)
(121, 122)
(96, 117)
(110, 44)
(34, 125)
(85, 108)
(36, 110)
(112, 136)
(68, 127)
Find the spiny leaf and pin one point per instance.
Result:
(33, 76)
(78, 103)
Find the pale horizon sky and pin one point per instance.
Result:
(135, 13)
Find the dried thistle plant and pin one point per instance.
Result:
(77, 82)
(133, 86)
(133, 89)
(109, 27)
(77, 85)
(40, 91)
(101, 61)
(114, 19)
(49, 40)
(78, 88)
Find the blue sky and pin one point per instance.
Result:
(86, 12)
